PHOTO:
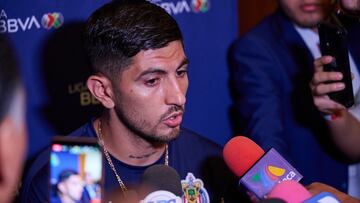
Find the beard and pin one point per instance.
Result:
(134, 121)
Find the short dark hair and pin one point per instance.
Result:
(65, 174)
(9, 76)
(120, 29)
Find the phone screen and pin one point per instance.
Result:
(76, 170)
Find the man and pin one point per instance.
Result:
(271, 69)
(12, 123)
(70, 187)
(140, 77)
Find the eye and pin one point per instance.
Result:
(152, 82)
(181, 73)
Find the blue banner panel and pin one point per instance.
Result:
(47, 38)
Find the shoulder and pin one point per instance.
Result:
(267, 31)
(36, 178)
(196, 141)
(270, 24)
(86, 130)
(203, 158)
(193, 152)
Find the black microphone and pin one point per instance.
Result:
(272, 200)
(160, 181)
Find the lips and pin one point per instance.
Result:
(310, 7)
(173, 120)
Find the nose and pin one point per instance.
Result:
(176, 91)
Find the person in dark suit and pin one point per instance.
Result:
(345, 128)
(271, 67)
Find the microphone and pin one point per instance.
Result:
(161, 196)
(160, 183)
(272, 200)
(290, 191)
(259, 171)
(323, 197)
(293, 192)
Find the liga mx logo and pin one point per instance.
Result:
(200, 6)
(52, 20)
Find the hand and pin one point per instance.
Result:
(316, 188)
(320, 88)
(252, 197)
(350, 6)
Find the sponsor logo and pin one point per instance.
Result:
(183, 6)
(52, 20)
(85, 97)
(15, 24)
(200, 6)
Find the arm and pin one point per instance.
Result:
(256, 81)
(346, 134)
(345, 128)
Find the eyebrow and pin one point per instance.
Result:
(152, 70)
(185, 61)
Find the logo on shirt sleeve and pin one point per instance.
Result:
(194, 190)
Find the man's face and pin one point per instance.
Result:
(150, 94)
(73, 187)
(306, 13)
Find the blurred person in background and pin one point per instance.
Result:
(272, 66)
(346, 127)
(12, 123)
(70, 188)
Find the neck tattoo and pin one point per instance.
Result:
(142, 156)
(112, 166)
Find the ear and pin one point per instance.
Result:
(101, 88)
(61, 187)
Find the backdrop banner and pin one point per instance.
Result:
(47, 39)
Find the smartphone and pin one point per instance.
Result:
(333, 42)
(76, 170)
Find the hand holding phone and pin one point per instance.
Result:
(76, 170)
(333, 42)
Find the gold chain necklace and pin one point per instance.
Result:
(112, 166)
